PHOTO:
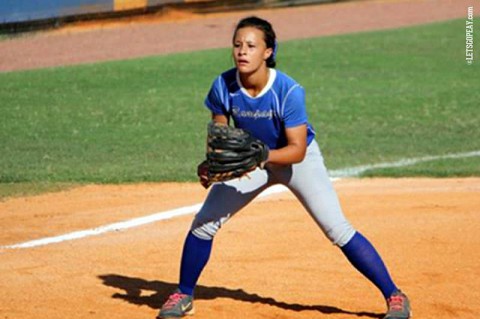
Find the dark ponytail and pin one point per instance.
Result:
(268, 33)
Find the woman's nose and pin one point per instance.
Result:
(242, 50)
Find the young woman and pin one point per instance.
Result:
(271, 105)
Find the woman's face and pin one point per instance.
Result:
(250, 50)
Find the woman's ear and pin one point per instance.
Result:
(268, 53)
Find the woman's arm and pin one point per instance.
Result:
(220, 118)
(295, 150)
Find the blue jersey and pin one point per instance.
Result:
(280, 105)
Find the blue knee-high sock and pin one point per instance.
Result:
(363, 256)
(196, 253)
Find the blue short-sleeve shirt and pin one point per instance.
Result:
(280, 105)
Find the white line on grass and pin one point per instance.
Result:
(357, 170)
(335, 174)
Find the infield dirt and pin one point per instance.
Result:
(180, 31)
(270, 261)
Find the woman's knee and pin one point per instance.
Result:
(341, 234)
(205, 231)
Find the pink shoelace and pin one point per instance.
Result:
(396, 303)
(173, 300)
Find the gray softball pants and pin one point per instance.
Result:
(308, 180)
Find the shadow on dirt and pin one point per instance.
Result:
(153, 293)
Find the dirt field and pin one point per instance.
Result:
(177, 32)
(270, 261)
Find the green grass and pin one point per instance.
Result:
(394, 94)
(114, 122)
(31, 188)
(372, 97)
(462, 167)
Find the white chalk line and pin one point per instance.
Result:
(358, 170)
(135, 222)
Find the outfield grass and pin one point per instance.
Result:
(32, 188)
(372, 97)
(460, 167)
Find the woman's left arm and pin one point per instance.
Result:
(295, 150)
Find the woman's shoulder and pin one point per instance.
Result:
(229, 75)
(285, 81)
(225, 80)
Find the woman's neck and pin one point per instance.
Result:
(255, 82)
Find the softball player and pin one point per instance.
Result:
(271, 106)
